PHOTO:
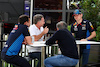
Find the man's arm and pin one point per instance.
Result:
(28, 40)
(73, 34)
(53, 39)
(93, 34)
(37, 37)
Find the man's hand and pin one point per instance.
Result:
(24, 42)
(45, 31)
(37, 37)
(83, 40)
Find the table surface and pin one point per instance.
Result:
(42, 43)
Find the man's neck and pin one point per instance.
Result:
(37, 26)
(79, 21)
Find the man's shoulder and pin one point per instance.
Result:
(21, 26)
(73, 24)
(32, 26)
(62, 30)
(85, 21)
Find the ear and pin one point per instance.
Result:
(25, 23)
(82, 15)
(57, 28)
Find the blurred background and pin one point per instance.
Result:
(53, 11)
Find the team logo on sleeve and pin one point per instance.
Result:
(14, 29)
(74, 24)
(91, 25)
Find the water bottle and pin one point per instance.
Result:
(32, 39)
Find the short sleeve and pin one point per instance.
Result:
(31, 28)
(90, 27)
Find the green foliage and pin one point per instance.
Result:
(69, 27)
(98, 32)
(91, 11)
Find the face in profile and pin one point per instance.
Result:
(42, 22)
(28, 23)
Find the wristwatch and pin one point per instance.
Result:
(87, 39)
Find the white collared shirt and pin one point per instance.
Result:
(35, 31)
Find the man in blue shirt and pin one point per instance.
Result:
(81, 29)
(13, 45)
(67, 45)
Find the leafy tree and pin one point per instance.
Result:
(91, 11)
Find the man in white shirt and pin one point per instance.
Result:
(38, 32)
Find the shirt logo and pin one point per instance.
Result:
(83, 26)
(75, 28)
(14, 29)
(84, 21)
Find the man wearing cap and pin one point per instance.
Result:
(81, 29)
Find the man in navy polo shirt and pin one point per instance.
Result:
(81, 29)
(13, 45)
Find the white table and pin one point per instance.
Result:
(42, 44)
(78, 42)
(86, 42)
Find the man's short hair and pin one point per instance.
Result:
(23, 18)
(37, 18)
(61, 25)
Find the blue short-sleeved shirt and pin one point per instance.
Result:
(82, 30)
(15, 39)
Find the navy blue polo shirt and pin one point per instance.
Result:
(15, 39)
(82, 30)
